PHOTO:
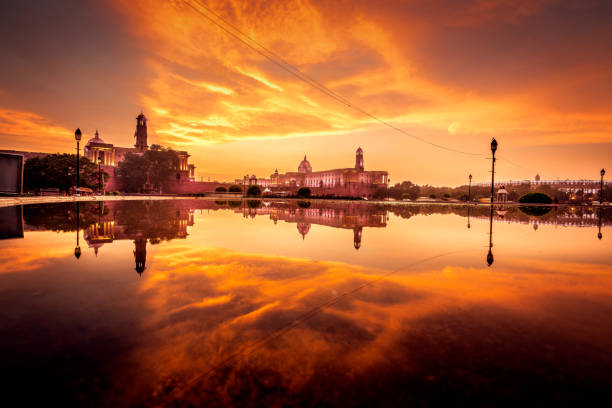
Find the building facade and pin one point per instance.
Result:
(182, 180)
(343, 182)
(112, 155)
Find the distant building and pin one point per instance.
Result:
(112, 155)
(182, 180)
(344, 182)
(502, 195)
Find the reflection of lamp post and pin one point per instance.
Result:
(490, 254)
(77, 249)
(493, 149)
(599, 236)
(470, 189)
(99, 175)
(77, 137)
(601, 197)
(468, 218)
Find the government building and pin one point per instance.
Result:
(181, 181)
(112, 155)
(344, 182)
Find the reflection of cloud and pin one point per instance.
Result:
(21, 258)
(217, 313)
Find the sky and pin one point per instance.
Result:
(536, 75)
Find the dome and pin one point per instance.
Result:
(95, 139)
(304, 166)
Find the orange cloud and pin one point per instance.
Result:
(26, 129)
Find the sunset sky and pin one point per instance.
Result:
(537, 75)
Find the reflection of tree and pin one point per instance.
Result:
(158, 220)
(60, 217)
(534, 211)
(254, 203)
(511, 213)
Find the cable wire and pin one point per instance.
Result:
(291, 69)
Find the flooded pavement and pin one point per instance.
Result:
(286, 303)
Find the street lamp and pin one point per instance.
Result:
(100, 175)
(493, 149)
(601, 197)
(470, 190)
(77, 137)
(388, 185)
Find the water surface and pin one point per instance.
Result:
(284, 303)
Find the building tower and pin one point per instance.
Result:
(359, 160)
(141, 133)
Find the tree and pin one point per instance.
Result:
(253, 191)
(221, 189)
(160, 162)
(132, 172)
(164, 162)
(535, 198)
(234, 188)
(59, 171)
(304, 192)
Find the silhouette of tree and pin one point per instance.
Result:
(304, 192)
(159, 161)
(254, 191)
(59, 171)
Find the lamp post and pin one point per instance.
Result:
(77, 137)
(388, 185)
(100, 175)
(493, 149)
(601, 197)
(470, 190)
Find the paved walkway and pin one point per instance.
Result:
(8, 201)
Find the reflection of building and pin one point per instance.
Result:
(348, 182)
(353, 216)
(141, 225)
(11, 222)
(140, 254)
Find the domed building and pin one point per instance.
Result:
(304, 166)
(341, 182)
(112, 155)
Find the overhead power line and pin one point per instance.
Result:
(279, 61)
